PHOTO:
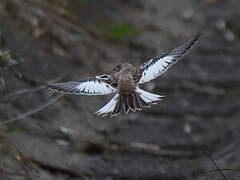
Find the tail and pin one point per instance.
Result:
(133, 102)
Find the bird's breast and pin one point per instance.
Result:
(126, 85)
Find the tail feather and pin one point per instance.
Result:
(118, 108)
(131, 103)
(142, 102)
(126, 103)
(148, 97)
(109, 107)
(137, 104)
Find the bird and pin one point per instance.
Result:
(124, 82)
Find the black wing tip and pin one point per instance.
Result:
(194, 40)
(57, 87)
(197, 35)
(47, 84)
(51, 86)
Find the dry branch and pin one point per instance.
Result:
(26, 91)
(11, 173)
(18, 155)
(31, 112)
(216, 166)
(56, 168)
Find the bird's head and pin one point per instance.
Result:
(119, 67)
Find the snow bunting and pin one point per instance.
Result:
(124, 82)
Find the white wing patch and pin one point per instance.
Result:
(155, 67)
(148, 97)
(93, 86)
(109, 107)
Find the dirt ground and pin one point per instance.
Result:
(61, 138)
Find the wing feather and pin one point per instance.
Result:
(155, 67)
(98, 85)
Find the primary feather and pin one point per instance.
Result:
(155, 67)
(97, 85)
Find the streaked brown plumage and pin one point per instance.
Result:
(124, 82)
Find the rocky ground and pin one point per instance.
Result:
(44, 136)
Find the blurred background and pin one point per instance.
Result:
(47, 136)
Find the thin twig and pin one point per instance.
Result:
(29, 162)
(214, 170)
(7, 67)
(215, 164)
(56, 168)
(31, 112)
(25, 91)
(18, 155)
(12, 173)
(22, 91)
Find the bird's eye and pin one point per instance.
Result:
(119, 66)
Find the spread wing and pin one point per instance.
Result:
(155, 67)
(98, 85)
